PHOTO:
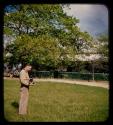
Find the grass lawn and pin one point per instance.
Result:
(58, 102)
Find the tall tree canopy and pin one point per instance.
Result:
(43, 33)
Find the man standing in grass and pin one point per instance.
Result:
(24, 91)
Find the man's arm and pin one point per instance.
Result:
(23, 79)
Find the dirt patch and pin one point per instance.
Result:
(104, 84)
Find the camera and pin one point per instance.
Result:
(31, 80)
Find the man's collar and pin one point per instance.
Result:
(25, 70)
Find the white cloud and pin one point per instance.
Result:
(93, 18)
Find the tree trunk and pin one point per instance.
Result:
(93, 71)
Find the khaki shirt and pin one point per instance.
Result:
(24, 77)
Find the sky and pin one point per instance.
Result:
(93, 17)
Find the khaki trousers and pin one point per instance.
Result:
(23, 104)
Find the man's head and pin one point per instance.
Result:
(28, 67)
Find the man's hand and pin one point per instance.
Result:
(32, 84)
(31, 80)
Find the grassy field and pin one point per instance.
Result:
(58, 102)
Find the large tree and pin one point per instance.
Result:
(43, 33)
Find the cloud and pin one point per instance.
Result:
(93, 18)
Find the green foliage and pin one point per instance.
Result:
(103, 49)
(42, 50)
(44, 34)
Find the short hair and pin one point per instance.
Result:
(27, 64)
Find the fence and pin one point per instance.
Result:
(66, 75)
(71, 75)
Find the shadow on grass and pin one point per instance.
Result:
(15, 104)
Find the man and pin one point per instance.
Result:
(24, 91)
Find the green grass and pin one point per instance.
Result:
(58, 102)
